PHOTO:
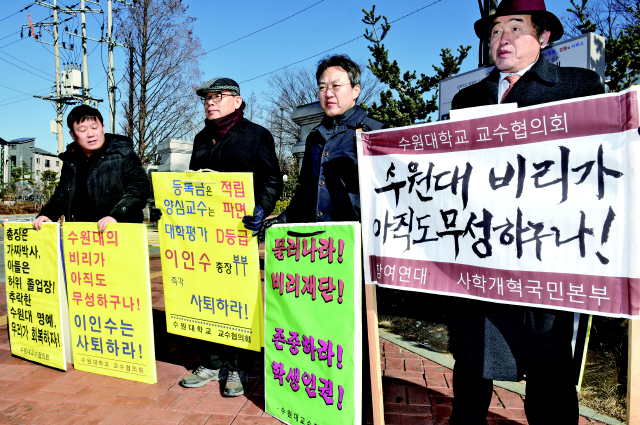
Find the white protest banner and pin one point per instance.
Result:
(533, 207)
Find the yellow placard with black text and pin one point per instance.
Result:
(35, 293)
(210, 264)
(110, 300)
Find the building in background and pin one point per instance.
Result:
(17, 151)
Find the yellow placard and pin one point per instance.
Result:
(34, 294)
(110, 300)
(210, 264)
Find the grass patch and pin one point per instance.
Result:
(20, 208)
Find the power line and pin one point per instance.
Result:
(28, 94)
(13, 42)
(302, 60)
(26, 70)
(30, 66)
(21, 10)
(23, 93)
(335, 47)
(262, 29)
(415, 11)
(10, 4)
(16, 101)
(7, 36)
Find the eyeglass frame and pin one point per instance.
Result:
(207, 99)
(323, 90)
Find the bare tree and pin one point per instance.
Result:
(161, 73)
(253, 109)
(298, 86)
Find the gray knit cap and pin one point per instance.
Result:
(217, 85)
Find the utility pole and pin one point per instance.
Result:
(69, 97)
(86, 97)
(59, 98)
(56, 47)
(484, 52)
(111, 80)
(85, 65)
(111, 44)
(281, 128)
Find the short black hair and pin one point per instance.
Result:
(82, 113)
(540, 24)
(344, 62)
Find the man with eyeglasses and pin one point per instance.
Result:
(501, 341)
(328, 185)
(231, 143)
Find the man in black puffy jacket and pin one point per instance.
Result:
(102, 178)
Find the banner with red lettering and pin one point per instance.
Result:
(533, 207)
(313, 314)
(210, 263)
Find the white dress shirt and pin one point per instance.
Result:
(503, 85)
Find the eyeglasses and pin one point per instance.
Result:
(215, 98)
(334, 88)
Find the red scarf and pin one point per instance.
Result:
(218, 127)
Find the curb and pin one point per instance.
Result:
(448, 362)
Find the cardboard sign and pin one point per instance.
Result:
(533, 207)
(313, 326)
(35, 293)
(109, 291)
(210, 264)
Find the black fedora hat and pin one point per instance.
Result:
(520, 7)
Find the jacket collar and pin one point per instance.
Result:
(542, 70)
(114, 144)
(242, 125)
(349, 119)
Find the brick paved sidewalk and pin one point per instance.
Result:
(416, 390)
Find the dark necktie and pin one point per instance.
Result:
(512, 80)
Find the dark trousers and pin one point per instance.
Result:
(508, 342)
(215, 356)
(548, 400)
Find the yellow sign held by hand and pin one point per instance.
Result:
(210, 264)
(110, 300)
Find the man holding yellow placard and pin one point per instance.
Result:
(102, 178)
(231, 143)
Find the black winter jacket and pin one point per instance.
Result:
(328, 187)
(503, 341)
(247, 147)
(117, 183)
(543, 83)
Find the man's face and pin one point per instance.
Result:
(220, 104)
(88, 134)
(514, 44)
(335, 91)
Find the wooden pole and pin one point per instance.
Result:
(374, 354)
(633, 374)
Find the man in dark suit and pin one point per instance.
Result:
(491, 341)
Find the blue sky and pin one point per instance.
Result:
(27, 67)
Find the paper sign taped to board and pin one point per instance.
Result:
(109, 293)
(211, 269)
(313, 325)
(35, 293)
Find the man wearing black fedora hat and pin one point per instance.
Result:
(503, 342)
